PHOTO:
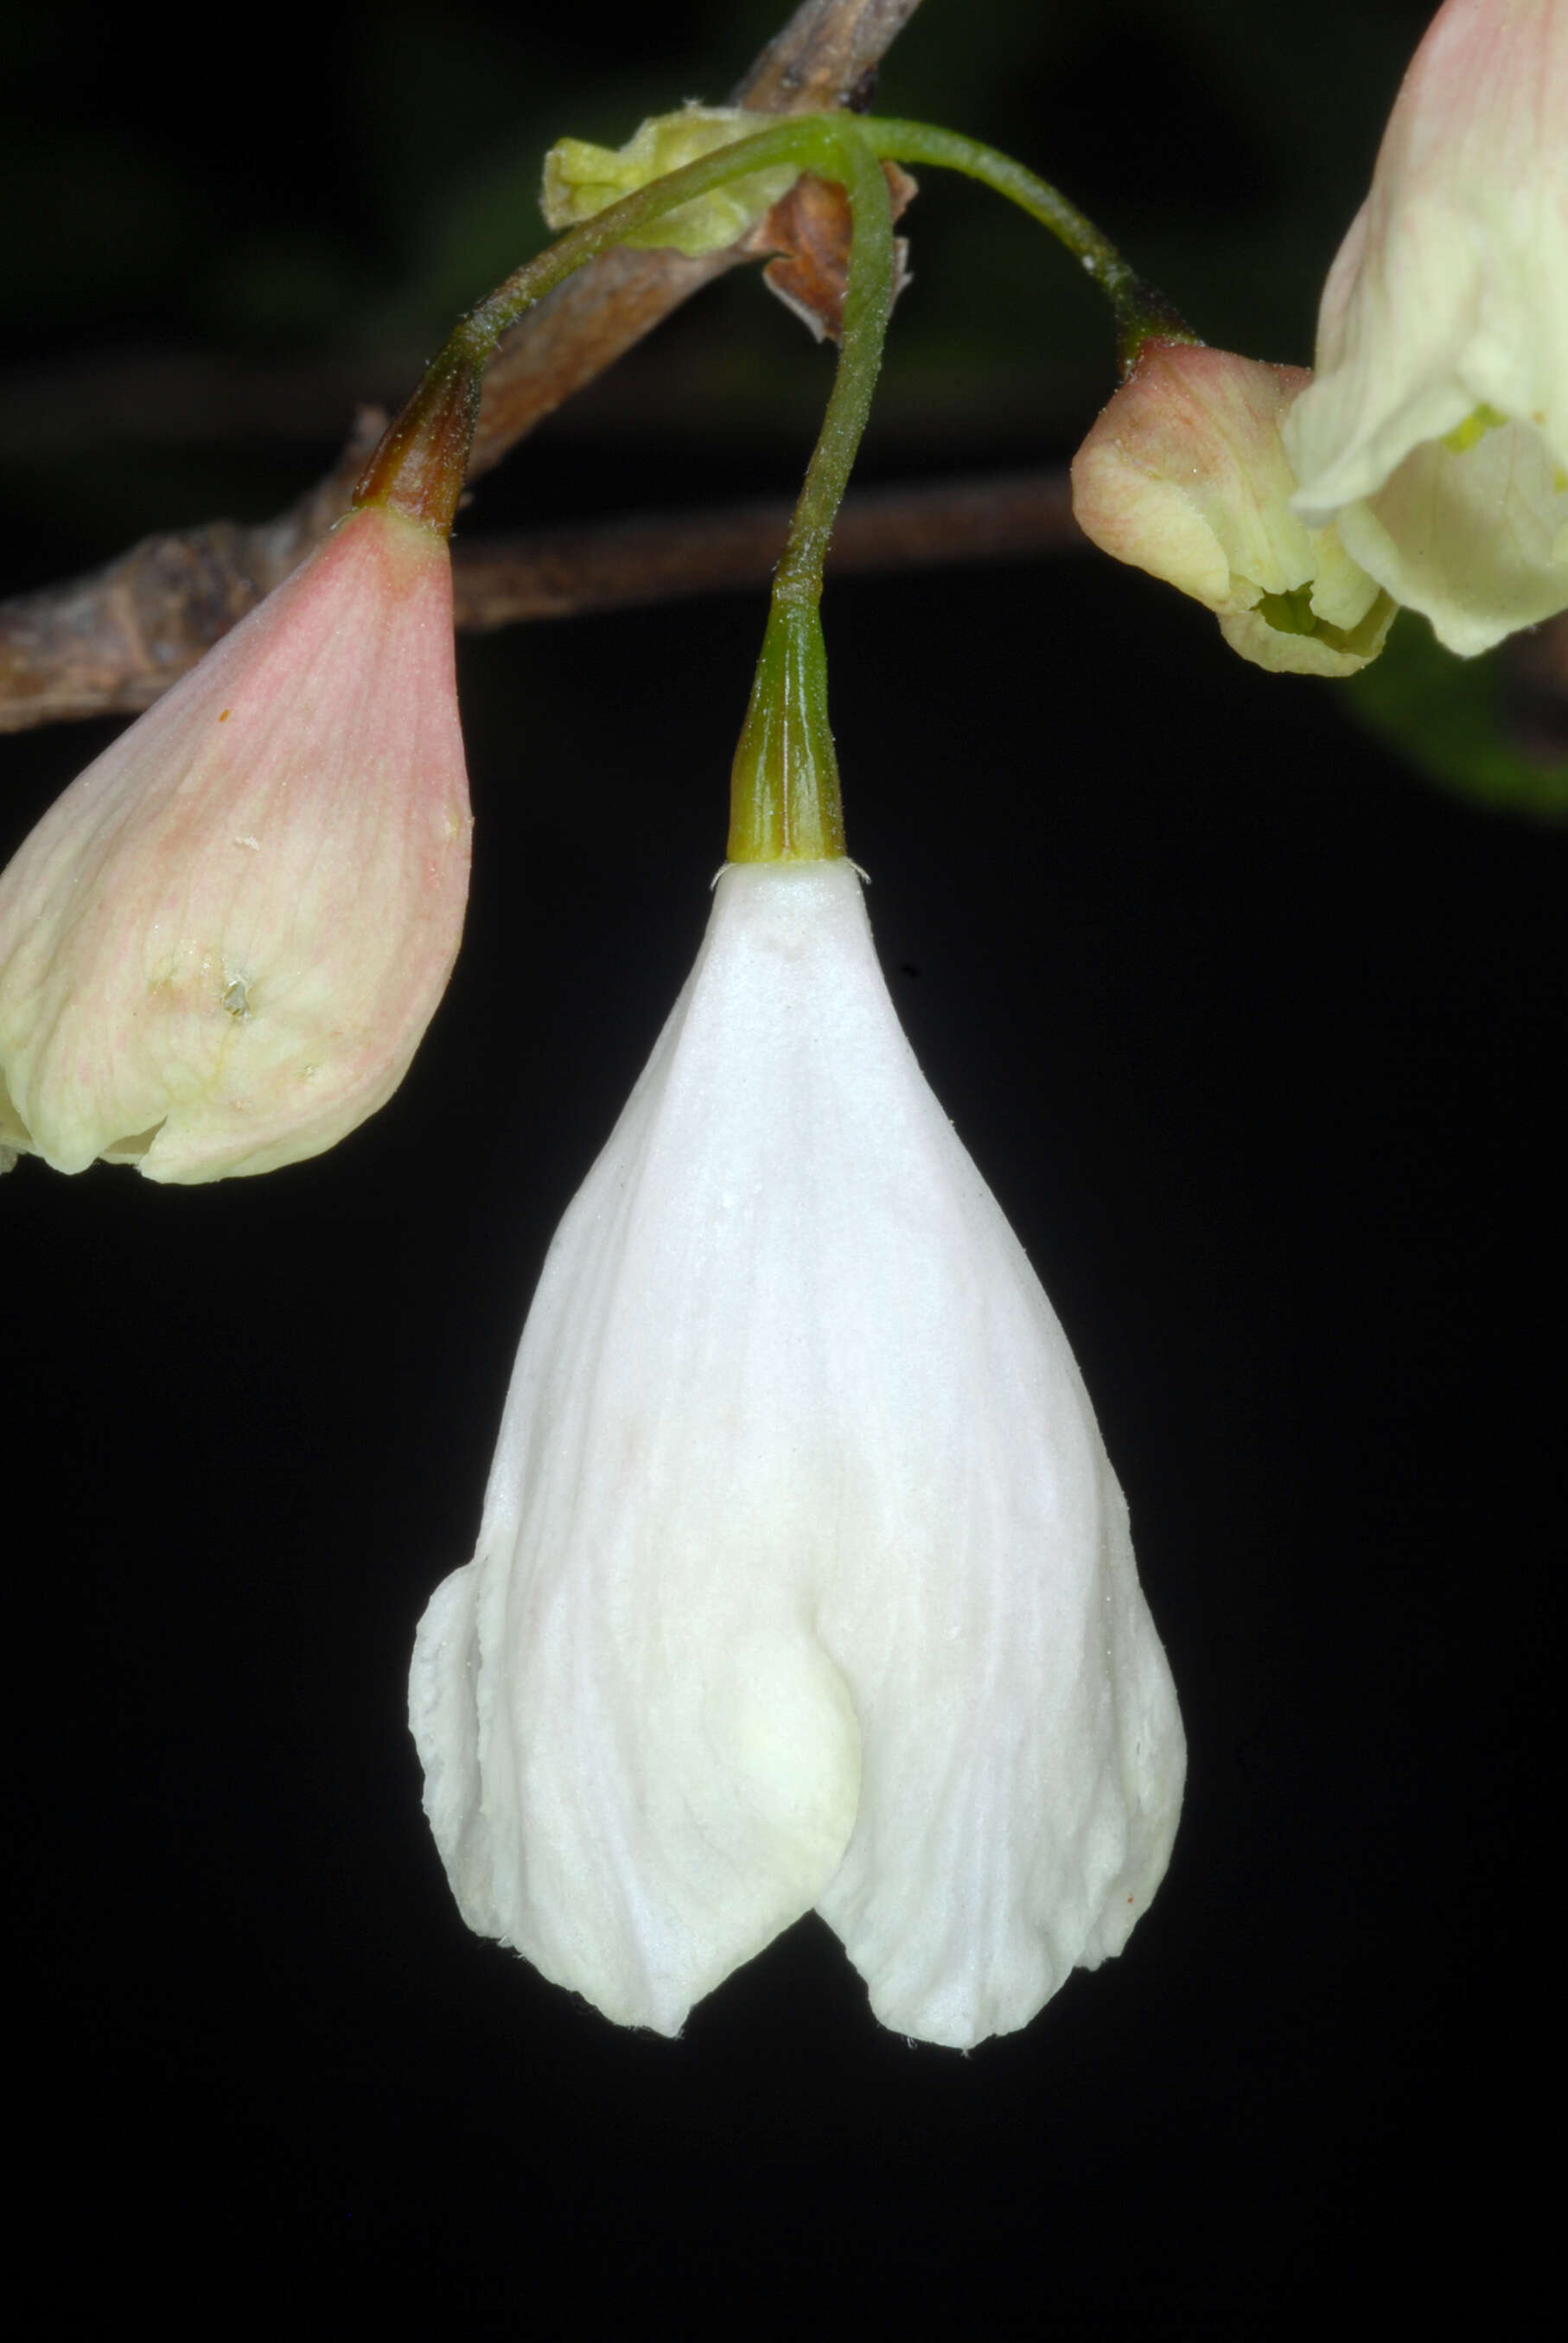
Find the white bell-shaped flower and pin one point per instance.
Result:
(1436, 435)
(804, 1580)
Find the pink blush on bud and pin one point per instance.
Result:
(221, 947)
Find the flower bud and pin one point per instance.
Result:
(1436, 435)
(804, 1579)
(221, 946)
(1184, 475)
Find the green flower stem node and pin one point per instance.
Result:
(784, 784)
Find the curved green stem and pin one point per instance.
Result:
(785, 802)
(418, 467)
(1143, 311)
(827, 143)
(867, 299)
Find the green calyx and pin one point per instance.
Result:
(421, 464)
(784, 801)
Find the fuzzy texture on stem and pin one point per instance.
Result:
(1140, 311)
(803, 1579)
(420, 466)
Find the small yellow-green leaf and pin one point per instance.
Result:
(582, 180)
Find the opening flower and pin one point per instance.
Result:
(1436, 435)
(1185, 475)
(220, 947)
(804, 1580)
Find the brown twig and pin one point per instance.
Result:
(820, 59)
(116, 640)
(559, 573)
(108, 643)
(662, 557)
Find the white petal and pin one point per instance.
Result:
(1446, 313)
(803, 1577)
(1478, 542)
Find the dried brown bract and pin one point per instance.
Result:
(810, 231)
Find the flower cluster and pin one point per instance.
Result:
(1425, 463)
(804, 1581)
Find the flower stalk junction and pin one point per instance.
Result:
(785, 795)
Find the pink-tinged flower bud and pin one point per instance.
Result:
(1436, 433)
(220, 947)
(1185, 475)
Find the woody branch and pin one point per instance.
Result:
(114, 640)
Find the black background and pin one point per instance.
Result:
(1257, 1036)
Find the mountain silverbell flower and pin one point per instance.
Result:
(1184, 475)
(222, 945)
(1436, 435)
(803, 1580)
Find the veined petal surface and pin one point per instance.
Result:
(1184, 475)
(1436, 431)
(221, 946)
(803, 1578)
